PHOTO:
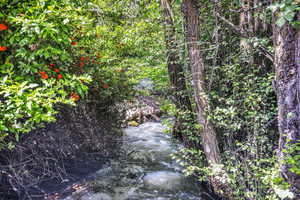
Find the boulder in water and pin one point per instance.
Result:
(164, 180)
(98, 196)
(133, 171)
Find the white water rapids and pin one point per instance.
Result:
(147, 172)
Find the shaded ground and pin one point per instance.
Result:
(55, 153)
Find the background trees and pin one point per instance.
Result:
(237, 72)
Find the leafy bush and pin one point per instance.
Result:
(53, 52)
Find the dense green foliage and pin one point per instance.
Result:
(38, 42)
(57, 51)
(243, 105)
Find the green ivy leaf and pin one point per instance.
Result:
(281, 22)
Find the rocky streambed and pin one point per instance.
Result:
(145, 172)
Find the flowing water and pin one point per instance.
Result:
(145, 172)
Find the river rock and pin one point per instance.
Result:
(124, 193)
(98, 196)
(164, 180)
(142, 157)
(104, 172)
(145, 84)
(133, 171)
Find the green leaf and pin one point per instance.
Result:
(281, 22)
(289, 16)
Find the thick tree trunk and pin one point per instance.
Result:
(210, 143)
(287, 63)
(208, 134)
(175, 69)
(176, 73)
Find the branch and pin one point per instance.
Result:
(235, 28)
(266, 53)
(247, 35)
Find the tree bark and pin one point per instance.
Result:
(195, 59)
(175, 69)
(208, 133)
(176, 74)
(287, 64)
(246, 26)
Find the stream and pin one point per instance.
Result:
(145, 172)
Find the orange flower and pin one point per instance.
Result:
(56, 70)
(73, 43)
(59, 76)
(3, 27)
(74, 96)
(44, 75)
(81, 64)
(42, 72)
(2, 48)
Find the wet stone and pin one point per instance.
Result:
(124, 193)
(143, 157)
(98, 196)
(133, 171)
(164, 180)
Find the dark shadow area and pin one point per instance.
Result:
(56, 156)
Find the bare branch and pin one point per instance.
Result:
(245, 34)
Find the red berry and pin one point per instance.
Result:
(3, 27)
(59, 76)
(81, 64)
(74, 96)
(2, 48)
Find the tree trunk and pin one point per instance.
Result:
(243, 25)
(176, 72)
(246, 26)
(175, 69)
(208, 134)
(257, 20)
(287, 57)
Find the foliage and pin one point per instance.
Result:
(55, 52)
(243, 105)
(287, 12)
(35, 67)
